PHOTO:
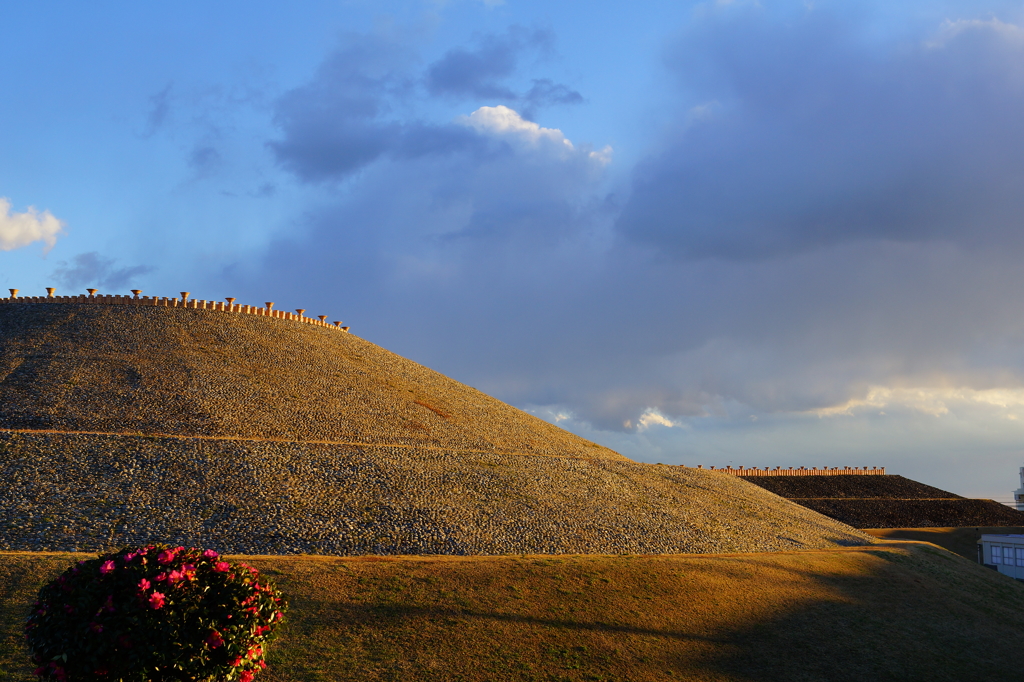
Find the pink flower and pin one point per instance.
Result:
(166, 556)
(210, 554)
(156, 600)
(144, 585)
(174, 576)
(107, 567)
(214, 639)
(222, 567)
(160, 577)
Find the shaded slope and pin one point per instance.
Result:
(887, 502)
(878, 513)
(125, 369)
(907, 612)
(890, 487)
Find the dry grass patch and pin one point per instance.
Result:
(903, 612)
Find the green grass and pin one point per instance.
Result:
(888, 612)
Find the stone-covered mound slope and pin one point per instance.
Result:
(75, 491)
(887, 502)
(123, 424)
(85, 367)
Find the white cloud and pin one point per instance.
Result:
(21, 229)
(953, 29)
(501, 120)
(651, 418)
(603, 156)
(932, 401)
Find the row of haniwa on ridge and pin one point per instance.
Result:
(184, 302)
(802, 471)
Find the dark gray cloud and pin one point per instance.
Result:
(351, 114)
(481, 73)
(804, 134)
(159, 109)
(95, 271)
(204, 159)
(478, 72)
(361, 105)
(545, 92)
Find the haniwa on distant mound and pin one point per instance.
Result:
(134, 419)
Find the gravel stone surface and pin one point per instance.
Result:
(81, 492)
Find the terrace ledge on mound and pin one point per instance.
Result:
(166, 302)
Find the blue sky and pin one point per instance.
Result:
(714, 233)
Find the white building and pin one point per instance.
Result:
(1018, 494)
(1005, 553)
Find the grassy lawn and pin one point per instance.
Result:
(900, 611)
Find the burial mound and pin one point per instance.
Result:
(130, 420)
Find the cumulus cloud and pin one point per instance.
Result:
(21, 229)
(649, 418)
(501, 120)
(94, 270)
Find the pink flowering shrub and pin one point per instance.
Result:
(153, 614)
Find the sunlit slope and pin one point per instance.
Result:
(77, 491)
(908, 612)
(126, 369)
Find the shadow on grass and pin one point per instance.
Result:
(912, 614)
